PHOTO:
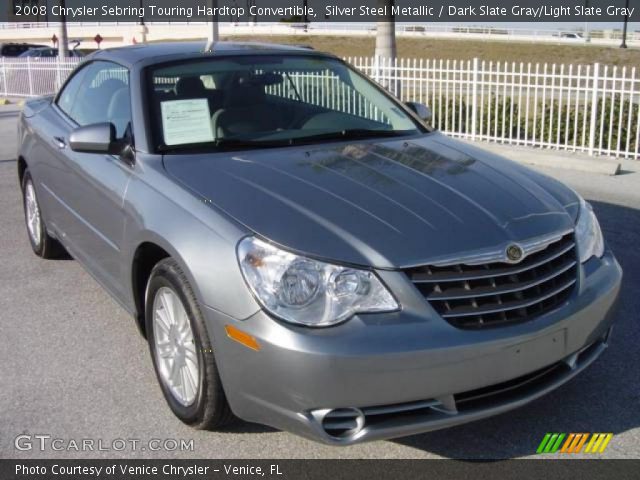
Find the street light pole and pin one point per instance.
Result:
(252, 3)
(624, 29)
(305, 17)
(142, 26)
(63, 41)
(142, 16)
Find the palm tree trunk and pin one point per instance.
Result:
(386, 33)
(385, 54)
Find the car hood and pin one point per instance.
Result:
(383, 203)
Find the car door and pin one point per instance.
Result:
(89, 187)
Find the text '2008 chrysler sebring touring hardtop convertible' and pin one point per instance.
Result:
(301, 250)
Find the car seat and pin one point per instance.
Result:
(244, 110)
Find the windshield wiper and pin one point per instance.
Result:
(341, 134)
(231, 143)
(224, 143)
(351, 133)
(241, 143)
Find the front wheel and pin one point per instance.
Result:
(43, 244)
(181, 350)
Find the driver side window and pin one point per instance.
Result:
(99, 93)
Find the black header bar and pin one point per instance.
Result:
(477, 11)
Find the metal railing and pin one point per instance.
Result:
(580, 108)
(346, 27)
(31, 77)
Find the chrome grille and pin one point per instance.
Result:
(496, 294)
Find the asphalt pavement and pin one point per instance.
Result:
(73, 367)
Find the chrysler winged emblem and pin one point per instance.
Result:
(514, 253)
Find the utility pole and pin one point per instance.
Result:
(214, 32)
(63, 39)
(624, 29)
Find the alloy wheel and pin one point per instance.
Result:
(33, 215)
(175, 348)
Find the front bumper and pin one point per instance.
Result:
(408, 372)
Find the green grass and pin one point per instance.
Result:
(465, 49)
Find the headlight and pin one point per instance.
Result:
(301, 290)
(588, 233)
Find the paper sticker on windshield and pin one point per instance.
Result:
(186, 121)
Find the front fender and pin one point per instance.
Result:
(202, 240)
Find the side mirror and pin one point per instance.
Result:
(421, 110)
(96, 138)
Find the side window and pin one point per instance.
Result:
(103, 96)
(70, 91)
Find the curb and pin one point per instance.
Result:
(554, 159)
(4, 101)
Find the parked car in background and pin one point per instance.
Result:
(16, 49)
(47, 52)
(571, 36)
(302, 250)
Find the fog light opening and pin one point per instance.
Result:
(342, 422)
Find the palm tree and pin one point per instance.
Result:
(63, 39)
(386, 49)
(386, 33)
(214, 32)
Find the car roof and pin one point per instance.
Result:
(153, 53)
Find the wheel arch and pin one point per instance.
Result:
(146, 256)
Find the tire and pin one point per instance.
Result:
(43, 244)
(171, 345)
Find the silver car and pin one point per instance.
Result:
(301, 250)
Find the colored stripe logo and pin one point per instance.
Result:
(574, 442)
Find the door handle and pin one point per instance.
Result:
(60, 142)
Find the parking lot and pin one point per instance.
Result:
(73, 366)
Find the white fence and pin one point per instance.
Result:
(580, 108)
(402, 28)
(31, 77)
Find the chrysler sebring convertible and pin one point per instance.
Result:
(302, 250)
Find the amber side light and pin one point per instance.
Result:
(242, 337)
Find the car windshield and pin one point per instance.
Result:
(268, 100)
